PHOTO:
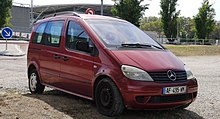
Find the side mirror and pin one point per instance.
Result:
(88, 47)
(95, 51)
(82, 46)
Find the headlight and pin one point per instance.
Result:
(135, 73)
(189, 74)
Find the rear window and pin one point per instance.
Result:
(39, 33)
(53, 33)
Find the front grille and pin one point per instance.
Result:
(169, 99)
(162, 76)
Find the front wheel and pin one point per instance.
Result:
(108, 98)
(34, 83)
(183, 106)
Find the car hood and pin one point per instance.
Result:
(149, 60)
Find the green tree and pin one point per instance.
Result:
(169, 17)
(204, 20)
(151, 24)
(149, 19)
(5, 14)
(130, 10)
(215, 33)
(186, 27)
(192, 33)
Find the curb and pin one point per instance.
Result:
(12, 55)
(16, 53)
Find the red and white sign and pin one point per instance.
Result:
(90, 11)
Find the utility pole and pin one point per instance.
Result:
(101, 7)
(32, 16)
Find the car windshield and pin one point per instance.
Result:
(118, 33)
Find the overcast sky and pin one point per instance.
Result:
(188, 8)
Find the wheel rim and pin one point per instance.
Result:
(106, 96)
(33, 81)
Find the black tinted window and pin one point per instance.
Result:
(39, 33)
(77, 38)
(53, 33)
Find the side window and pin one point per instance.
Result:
(78, 39)
(53, 32)
(39, 33)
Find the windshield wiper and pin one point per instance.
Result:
(138, 45)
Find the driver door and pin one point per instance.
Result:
(77, 65)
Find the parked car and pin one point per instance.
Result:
(109, 61)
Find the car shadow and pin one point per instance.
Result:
(77, 107)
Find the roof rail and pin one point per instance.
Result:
(62, 13)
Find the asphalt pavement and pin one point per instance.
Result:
(13, 79)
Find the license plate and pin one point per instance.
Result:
(174, 90)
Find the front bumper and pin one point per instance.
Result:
(148, 95)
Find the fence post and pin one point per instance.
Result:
(19, 35)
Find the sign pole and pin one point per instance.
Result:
(32, 14)
(101, 7)
(6, 47)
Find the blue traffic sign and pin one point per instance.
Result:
(7, 33)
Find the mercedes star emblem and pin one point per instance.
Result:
(171, 75)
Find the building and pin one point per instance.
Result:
(218, 23)
(20, 19)
(21, 14)
(40, 11)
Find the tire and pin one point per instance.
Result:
(183, 106)
(108, 98)
(34, 83)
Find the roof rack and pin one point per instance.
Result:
(62, 13)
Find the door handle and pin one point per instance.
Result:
(65, 58)
(56, 57)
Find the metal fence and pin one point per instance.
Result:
(18, 36)
(188, 41)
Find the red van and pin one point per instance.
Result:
(109, 61)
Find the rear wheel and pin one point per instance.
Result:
(34, 83)
(108, 99)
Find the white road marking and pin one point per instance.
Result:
(19, 50)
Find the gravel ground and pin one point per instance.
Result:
(17, 103)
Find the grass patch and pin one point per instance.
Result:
(193, 50)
